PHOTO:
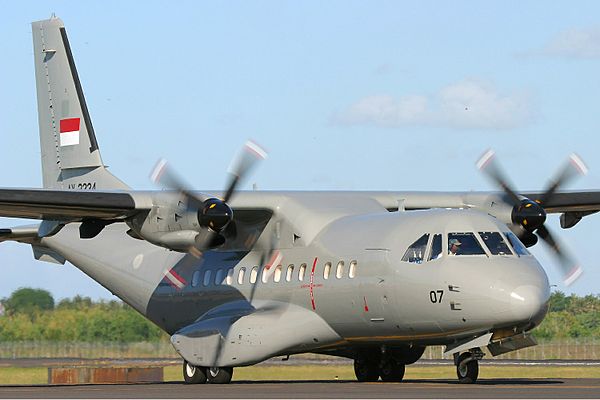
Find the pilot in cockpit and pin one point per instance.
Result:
(454, 247)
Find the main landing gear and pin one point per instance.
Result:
(195, 374)
(467, 365)
(370, 369)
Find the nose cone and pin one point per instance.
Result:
(529, 303)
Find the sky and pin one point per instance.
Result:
(345, 95)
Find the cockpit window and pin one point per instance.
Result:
(495, 242)
(416, 251)
(464, 244)
(516, 244)
(436, 247)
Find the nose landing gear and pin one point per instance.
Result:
(467, 365)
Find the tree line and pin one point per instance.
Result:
(31, 314)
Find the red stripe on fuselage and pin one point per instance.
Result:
(312, 283)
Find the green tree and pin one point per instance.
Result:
(28, 301)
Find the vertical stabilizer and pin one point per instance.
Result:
(70, 154)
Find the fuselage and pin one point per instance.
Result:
(353, 274)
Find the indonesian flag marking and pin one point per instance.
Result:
(174, 279)
(69, 131)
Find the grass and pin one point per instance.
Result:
(28, 376)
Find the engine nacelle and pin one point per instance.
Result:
(174, 228)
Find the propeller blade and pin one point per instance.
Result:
(489, 166)
(573, 168)
(570, 269)
(248, 157)
(163, 175)
(205, 240)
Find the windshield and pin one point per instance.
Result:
(416, 251)
(464, 244)
(495, 242)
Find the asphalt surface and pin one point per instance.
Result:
(485, 388)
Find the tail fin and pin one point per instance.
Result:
(70, 154)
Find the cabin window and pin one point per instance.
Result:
(339, 271)
(289, 273)
(229, 279)
(195, 278)
(266, 272)
(277, 274)
(464, 244)
(352, 270)
(327, 270)
(416, 251)
(301, 272)
(519, 247)
(495, 242)
(253, 274)
(219, 277)
(241, 275)
(436, 247)
(207, 277)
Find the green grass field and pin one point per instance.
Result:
(23, 376)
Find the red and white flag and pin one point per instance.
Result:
(69, 131)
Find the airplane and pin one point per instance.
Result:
(239, 277)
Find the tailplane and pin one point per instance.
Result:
(69, 150)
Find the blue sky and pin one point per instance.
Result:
(344, 95)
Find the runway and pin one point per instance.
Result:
(485, 388)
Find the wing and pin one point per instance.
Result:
(563, 202)
(62, 205)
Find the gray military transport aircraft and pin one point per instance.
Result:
(239, 277)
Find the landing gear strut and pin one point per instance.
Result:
(467, 365)
(196, 374)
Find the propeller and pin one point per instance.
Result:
(214, 214)
(530, 215)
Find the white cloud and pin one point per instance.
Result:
(468, 104)
(575, 43)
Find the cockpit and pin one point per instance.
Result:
(432, 246)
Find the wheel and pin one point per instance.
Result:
(392, 371)
(219, 374)
(193, 374)
(467, 372)
(366, 370)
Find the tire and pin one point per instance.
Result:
(193, 374)
(467, 372)
(366, 370)
(392, 371)
(219, 375)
